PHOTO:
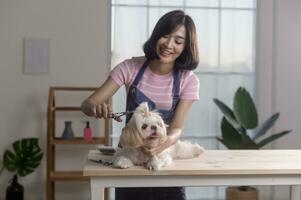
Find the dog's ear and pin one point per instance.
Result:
(160, 121)
(130, 137)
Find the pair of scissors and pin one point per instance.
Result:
(117, 116)
(104, 163)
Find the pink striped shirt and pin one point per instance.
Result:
(156, 87)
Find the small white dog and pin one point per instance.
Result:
(147, 129)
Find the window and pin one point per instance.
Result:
(226, 33)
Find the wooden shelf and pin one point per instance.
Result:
(52, 141)
(66, 108)
(59, 88)
(68, 176)
(78, 140)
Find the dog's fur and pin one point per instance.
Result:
(147, 129)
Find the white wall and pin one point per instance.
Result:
(79, 40)
(278, 72)
(278, 66)
(79, 56)
(287, 81)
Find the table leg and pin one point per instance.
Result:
(295, 192)
(97, 193)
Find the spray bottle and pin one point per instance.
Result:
(87, 131)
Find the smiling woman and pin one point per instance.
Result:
(174, 40)
(169, 47)
(226, 40)
(164, 79)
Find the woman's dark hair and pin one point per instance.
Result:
(167, 24)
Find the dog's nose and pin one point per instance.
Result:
(153, 128)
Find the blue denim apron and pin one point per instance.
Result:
(134, 98)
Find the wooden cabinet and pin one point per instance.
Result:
(52, 141)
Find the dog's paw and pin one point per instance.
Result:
(197, 149)
(122, 162)
(154, 165)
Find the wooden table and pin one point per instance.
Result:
(213, 168)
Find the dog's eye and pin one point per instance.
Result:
(144, 126)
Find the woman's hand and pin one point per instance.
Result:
(92, 106)
(97, 110)
(152, 151)
(173, 134)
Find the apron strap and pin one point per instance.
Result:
(135, 83)
(175, 89)
(140, 73)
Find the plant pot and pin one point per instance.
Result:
(241, 193)
(15, 191)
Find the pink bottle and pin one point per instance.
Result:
(87, 131)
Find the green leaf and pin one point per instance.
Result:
(235, 123)
(230, 135)
(248, 143)
(32, 164)
(266, 126)
(25, 171)
(9, 161)
(25, 157)
(37, 158)
(223, 142)
(272, 138)
(244, 109)
(228, 113)
(17, 147)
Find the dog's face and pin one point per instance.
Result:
(149, 123)
(145, 126)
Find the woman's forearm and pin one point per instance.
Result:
(96, 104)
(174, 134)
(175, 129)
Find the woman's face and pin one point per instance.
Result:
(169, 47)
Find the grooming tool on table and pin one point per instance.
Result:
(105, 163)
(106, 150)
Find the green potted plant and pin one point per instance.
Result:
(23, 159)
(235, 134)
